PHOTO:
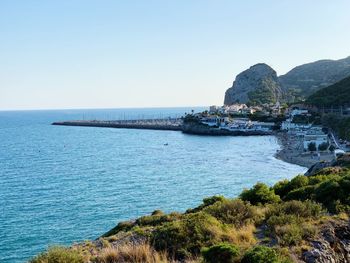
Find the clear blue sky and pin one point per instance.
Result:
(110, 54)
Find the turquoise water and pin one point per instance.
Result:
(62, 184)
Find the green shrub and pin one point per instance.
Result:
(157, 213)
(260, 194)
(292, 234)
(261, 254)
(220, 253)
(235, 212)
(299, 181)
(207, 202)
(59, 255)
(307, 209)
(283, 188)
(157, 219)
(187, 236)
(328, 192)
(287, 221)
(309, 230)
(289, 234)
(120, 227)
(280, 220)
(303, 193)
(330, 187)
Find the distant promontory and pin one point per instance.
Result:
(260, 84)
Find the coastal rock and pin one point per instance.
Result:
(257, 85)
(318, 167)
(329, 167)
(332, 246)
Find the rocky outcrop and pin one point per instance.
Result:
(260, 84)
(333, 245)
(317, 167)
(257, 85)
(329, 167)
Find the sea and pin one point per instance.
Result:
(60, 184)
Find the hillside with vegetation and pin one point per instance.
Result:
(334, 95)
(306, 79)
(304, 219)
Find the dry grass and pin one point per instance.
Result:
(342, 216)
(141, 253)
(243, 237)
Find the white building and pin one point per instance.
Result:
(213, 109)
(288, 125)
(296, 112)
(236, 108)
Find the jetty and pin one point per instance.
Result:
(169, 124)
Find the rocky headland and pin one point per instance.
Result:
(257, 85)
(260, 83)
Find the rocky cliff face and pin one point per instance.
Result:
(260, 84)
(333, 245)
(256, 85)
(308, 78)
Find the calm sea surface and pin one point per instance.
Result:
(64, 184)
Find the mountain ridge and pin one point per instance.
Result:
(297, 84)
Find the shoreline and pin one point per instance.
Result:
(292, 151)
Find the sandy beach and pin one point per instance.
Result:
(292, 151)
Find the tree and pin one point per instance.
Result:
(312, 147)
(220, 253)
(260, 194)
(260, 254)
(323, 146)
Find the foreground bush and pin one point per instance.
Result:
(186, 237)
(235, 212)
(260, 194)
(59, 255)
(220, 253)
(288, 221)
(261, 254)
(208, 201)
(330, 187)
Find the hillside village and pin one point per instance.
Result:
(299, 126)
(311, 121)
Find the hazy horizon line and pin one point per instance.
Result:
(107, 108)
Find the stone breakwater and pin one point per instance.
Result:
(153, 124)
(162, 124)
